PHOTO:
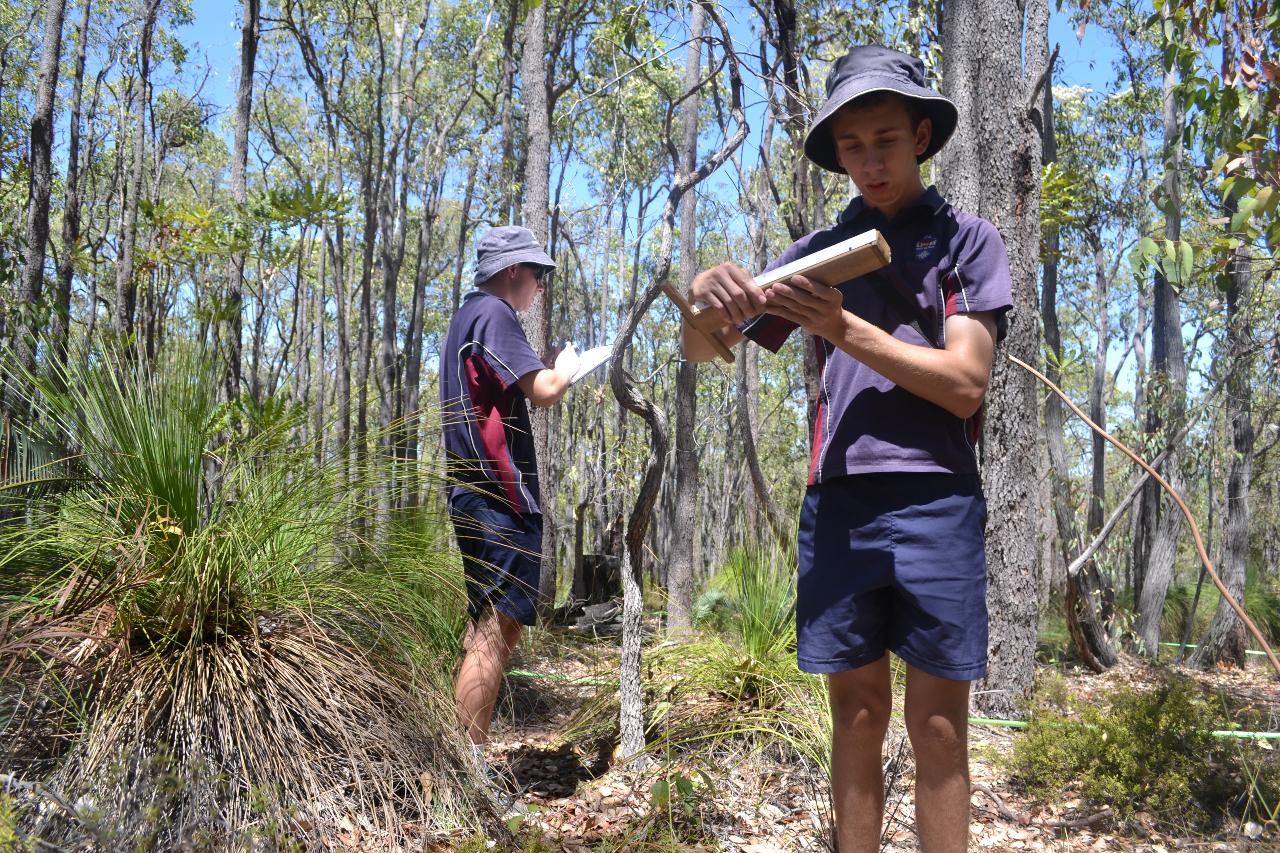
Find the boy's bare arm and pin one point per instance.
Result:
(954, 378)
(732, 291)
(545, 387)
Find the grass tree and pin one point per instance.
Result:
(209, 659)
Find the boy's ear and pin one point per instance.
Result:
(924, 134)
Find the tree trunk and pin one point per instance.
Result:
(1064, 514)
(748, 370)
(628, 396)
(1097, 412)
(39, 189)
(1227, 636)
(390, 257)
(240, 193)
(413, 343)
(369, 184)
(464, 223)
(996, 93)
(342, 379)
(61, 320)
(506, 169)
(683, 529)
(1167, 406)
(126, 287)
(537, 182)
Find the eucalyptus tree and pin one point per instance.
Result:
(41, 186)
(680, 561)
(126, 286)
(1160, 521)
(1233, 122)
(1099, 202)
(239, 191)
(629, 397)
(59, 327)
(995, 59)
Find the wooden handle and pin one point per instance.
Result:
(706, 323)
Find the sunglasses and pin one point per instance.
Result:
(539, 273)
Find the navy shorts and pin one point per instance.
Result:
(893, 562)
(501, 555)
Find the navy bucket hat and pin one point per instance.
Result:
(872, 68)
(505, 246)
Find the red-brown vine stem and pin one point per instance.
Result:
(1195, 528)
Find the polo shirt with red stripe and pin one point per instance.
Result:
(944, 262)
(488, 440)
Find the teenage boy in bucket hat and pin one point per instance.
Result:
(489, 374)
(891, 527)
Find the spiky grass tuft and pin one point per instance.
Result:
(213, 656)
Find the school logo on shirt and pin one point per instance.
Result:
(925, 246)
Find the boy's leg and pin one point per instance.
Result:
(487, 647)
(860, 705)
(937, 714)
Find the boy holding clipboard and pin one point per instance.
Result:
(891, 529)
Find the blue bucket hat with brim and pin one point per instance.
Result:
(872, 68)
(505, 246)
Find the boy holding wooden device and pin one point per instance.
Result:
(891, 527)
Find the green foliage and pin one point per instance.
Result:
(752, 600)
(11, 837)
(1138, 749)
(234, 610)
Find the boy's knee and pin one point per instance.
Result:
(863, 712)
(933, 730)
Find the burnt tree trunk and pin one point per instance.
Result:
(40, 187)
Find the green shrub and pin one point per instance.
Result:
(1143, 750)
(236, 605)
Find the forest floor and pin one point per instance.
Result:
(574, 797)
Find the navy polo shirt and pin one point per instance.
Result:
(944, 262)
(488, 441)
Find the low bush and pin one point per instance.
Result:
(1146, 749)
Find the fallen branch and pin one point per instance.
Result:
(1191, 520)
(1026, 820)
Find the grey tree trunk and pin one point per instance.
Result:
(1167, 406)
(1227, 635)
(535, 321)
(683, 526)
(39, 189)
(391, 225)
(992, 168)
(413, 342)
(1064, 515)
(126, 287)
(624, 388)
(61, 319)
(506, 168)
(240, 193)
(1097, 385)
(464, 225)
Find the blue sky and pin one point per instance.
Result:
(215, 34)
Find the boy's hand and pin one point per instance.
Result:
(566, 363)
(816, 308)
(729, 289)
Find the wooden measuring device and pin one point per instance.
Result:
(836, 264)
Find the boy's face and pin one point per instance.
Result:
(877, 146)
(528, 281)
